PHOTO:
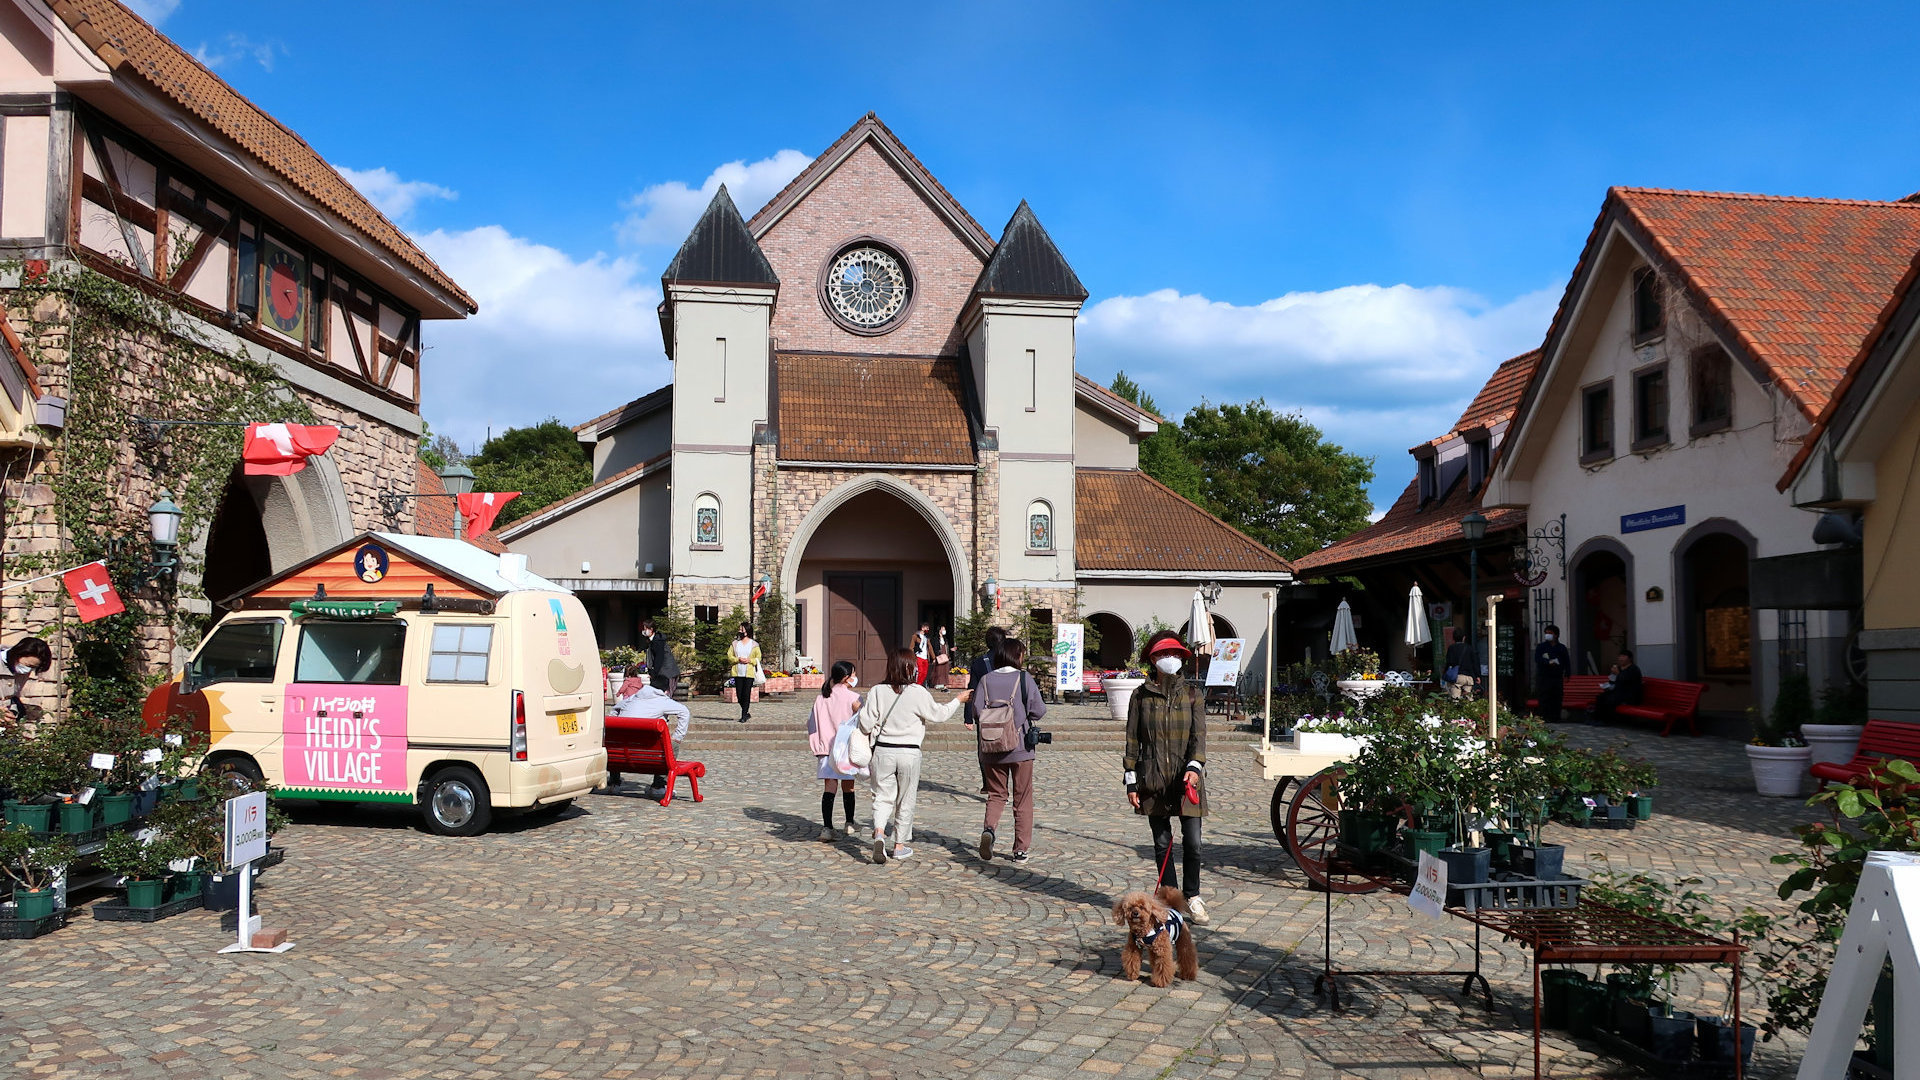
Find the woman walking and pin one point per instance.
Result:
(896, 714)
(922, 654)
(1009, 687)
(1166, 761)
(835, 706)
(942, 661)
(746, 669)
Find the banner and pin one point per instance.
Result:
(1228, 653)
(1069, 650)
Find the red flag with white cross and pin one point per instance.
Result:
(283, 449)
(92, 591)
(479, 508)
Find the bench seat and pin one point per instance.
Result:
(1880, 741)
(1577, 694)
(1667, 702)
(642, 744)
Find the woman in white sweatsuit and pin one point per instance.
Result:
(896, 716)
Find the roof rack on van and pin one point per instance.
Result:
(310, 606)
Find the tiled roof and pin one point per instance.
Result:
(584, 495)
(1501, 393)
(1027, 263)
(1798, 284)
(119, 37)
(640, 406)
(1086, 387)
(434, 517)
(1124, 519)
(872, 410)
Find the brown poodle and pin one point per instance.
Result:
(1158, 921)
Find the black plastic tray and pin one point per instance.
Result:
(1635, 1054)
(1517, 893)
(16, 929)
(110, 912)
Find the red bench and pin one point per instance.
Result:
(1090, 683)
(1667, 702)
(1577, 695)
(1879, 741)
(641, 744)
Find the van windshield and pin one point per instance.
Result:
(350, 652)
(237, 652)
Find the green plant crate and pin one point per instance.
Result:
(111, 912)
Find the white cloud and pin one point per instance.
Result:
(395, 197)
(236, 47)
(154, 11)
(1376, 368)
(555, 336)
(664, 213)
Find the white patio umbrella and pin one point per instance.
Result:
(1343, 638)
(1417, 632)
(1200, 626)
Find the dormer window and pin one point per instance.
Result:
(1649, 319)
(1429, 479)
(1479, 459)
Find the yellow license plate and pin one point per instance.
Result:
(569, 723)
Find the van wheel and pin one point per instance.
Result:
(456, 803)
(239, 774)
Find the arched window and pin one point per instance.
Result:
(1039, 526)
(706, 520)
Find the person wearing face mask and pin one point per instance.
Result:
(835, 706)
(663, 670)
(1551, 664)
(1165, 762)
(23, 660)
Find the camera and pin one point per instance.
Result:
(1035, 737)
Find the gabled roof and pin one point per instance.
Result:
(870, 129)
(1027, 264)
(585, 497)
(872, 410)
(620, 416)
(456, 561)
(1500, 395)
(1144, 422)
(720, 250)
(124, 42)
(1124, 519)
(434, 516)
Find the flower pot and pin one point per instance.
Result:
(815, 682)
(1427, 840)
(1627, 996)
(1501, 844)
(1715, 1040)
(116, 809)
(1780, 771)
(190, 788)
(1555, 990)
(1577, 813)
(1836, 743)
(1367, 831)
(185, 883)
(76, 817)
(145, 801)
(1467, 866)
(1616, 811)
(1640, 806)
(1630, 1019)
(1119, 693)
(1543, 861)
(1586, 1008)
(145, 894)
(32, 903)
(221, 892)
(1669, 1034)
(37, 817)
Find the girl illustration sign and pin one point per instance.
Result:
(370, 562)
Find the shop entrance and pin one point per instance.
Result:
(863, 621)
(1601, 616)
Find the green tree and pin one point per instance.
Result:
(1273, 476)
(1163, 454)
(544, 463)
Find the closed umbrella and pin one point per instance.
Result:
(1343, 638)
(1417, 633)
(1200, 625)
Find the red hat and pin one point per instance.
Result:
(1165, 642)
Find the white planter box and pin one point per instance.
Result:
(1327, 742)
(1835, 743)
(1119, 693)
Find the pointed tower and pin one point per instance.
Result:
(714, 321)
(1019, 328)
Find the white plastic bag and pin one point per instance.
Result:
(842, 747)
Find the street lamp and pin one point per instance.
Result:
(993, 593)
(458, 480)
(163, 526)
(1473, 528)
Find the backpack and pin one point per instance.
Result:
(1002, 720)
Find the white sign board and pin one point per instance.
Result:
(246, 837)
(1228, 653)
(1429, 895)
(1069, 651)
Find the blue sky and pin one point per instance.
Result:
(1351, 210)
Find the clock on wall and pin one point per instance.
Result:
(867, 288)
(283, 290)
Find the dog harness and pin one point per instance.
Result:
(1174, 926)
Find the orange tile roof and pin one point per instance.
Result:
(872, 410)
(434, 517)
(1124, 519)
(121, 38)
(1501, 393)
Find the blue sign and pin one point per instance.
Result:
(1653, 519)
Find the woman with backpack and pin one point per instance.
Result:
(1166, 760)
(896, 716)
(1008, 708)
(835, 706)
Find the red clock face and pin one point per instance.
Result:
(285, 286)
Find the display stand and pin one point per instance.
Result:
(246, 842)
(248, 922)
(1328, 981)
(1880, 925)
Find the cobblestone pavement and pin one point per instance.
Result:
(723, 939)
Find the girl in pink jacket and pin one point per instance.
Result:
(835, 706)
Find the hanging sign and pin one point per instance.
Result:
(1069, 652)
(1228, 653)
(1429, 893)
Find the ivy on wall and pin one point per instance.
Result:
(122, 352)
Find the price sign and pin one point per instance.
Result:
(246, 833)
(1429, 893)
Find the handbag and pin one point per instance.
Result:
(1451, 675)
(860, 751)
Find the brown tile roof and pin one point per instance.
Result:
(872, 410)
(642, 405)
(1089, 388)
(434, 517)
(1501, 393)
(119, 37)
(1126, 520)
(584, 493)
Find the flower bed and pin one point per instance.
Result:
(809, 682)
(778, 684)
(728, 694)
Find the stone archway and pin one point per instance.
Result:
(265, 524)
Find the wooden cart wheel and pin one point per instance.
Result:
(1312, 832)
(1277, 810)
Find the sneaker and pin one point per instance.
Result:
(1020, 856)
(850, 830)
(880, 851)
(986, 844)
(1197, 910)
(902, 853)
(828, 836)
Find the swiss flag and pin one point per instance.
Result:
(92, 591)
(283, 449)
(481, 507)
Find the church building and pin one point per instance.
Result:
(875, 415)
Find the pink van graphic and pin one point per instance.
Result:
(346, 737)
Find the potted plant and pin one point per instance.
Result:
(31, 862)
(1834, 733)
(143, 863)
(1777, 754)
(1640, 777)
(27, 770)
(1119, 687)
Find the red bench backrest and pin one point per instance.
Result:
(1891, 738)
(1672, 694)
(638, 742)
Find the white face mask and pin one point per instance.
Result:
(1550, 637)
(853, 681)
(1168, 664)
(22, 669)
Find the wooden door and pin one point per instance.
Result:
(863, 622)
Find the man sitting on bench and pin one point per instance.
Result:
(1623, 687)
(639, 697)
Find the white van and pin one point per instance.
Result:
(404, 669)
